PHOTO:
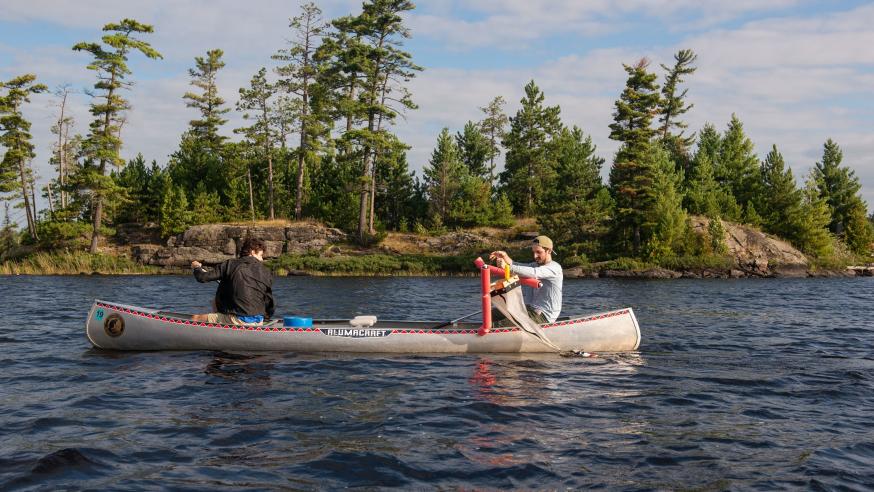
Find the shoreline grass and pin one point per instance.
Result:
(77, 263)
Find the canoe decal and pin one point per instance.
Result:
(355, 332)
(387, 331)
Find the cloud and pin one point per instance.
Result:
(794, 81)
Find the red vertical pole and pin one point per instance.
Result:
(485, 280)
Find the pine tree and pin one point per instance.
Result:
(838, 185)
(703, 194)
(813, 237)
(474, 149)
(208, 102)
(206, 207)
(385, 69)
(256, 102)
(134, 177)
(397, 199)
(175, 215)
(632, 174)
(780, 202)
(737, 168)
(573, 210)
(443, 177)
(297, 77)
(103, 143)
(16, 138)
(859, 233)
(673, 105)
(666, 222)
(528, 167)
(493, 127)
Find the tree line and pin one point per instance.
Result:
(318, 143)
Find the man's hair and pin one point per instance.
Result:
(251, 245)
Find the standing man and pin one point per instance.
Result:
(245, 291)
(545, 304)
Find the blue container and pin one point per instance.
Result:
(297, 322)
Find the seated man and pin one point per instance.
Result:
(545, 304)
(244, 295)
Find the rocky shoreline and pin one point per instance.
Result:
(753, 254)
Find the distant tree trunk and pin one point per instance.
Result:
(51, 199)
(251, 193)
(269, 154)
(31, 222)
(62, 150)
(301, 158)
(98, 207)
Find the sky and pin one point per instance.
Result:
(796, 72)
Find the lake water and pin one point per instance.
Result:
(738, 384)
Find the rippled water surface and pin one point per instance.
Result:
(747, 384)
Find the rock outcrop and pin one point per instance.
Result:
(758, 254)
(214, 243)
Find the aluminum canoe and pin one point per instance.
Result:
(123, 327)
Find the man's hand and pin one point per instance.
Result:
(500, 258)
(195, 264)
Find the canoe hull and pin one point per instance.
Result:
(122, 327)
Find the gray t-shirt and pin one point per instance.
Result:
(546, 299)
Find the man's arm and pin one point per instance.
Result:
(203, 275)
(539, 272)
(270, 306)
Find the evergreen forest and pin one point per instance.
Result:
(319, 143)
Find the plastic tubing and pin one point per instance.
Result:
(530, 282)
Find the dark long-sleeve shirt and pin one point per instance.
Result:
(245, 286)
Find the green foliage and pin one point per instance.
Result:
(400, 200)
(736, 167)
(694, 262)
(779, 203)
(493, 128)
(624, 263)
(375, 264)
(334, 190)
(666, 222)
(529, 167)
(16, 138)
(144, 188)
(703, 193)
(72, 234)
(860, 234)
(205, 209)
(502, 212)
(102, 145)
(575, 209)
(206, 129)
(474, 150)
(813, 236)
(716, 235)
(673, 105)
(840, 188)
(443, 177)
(632, 174)
(175, 216)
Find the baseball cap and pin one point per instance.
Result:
(543, 242)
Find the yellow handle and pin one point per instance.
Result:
(506, 271)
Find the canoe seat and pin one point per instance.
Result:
(363, 321)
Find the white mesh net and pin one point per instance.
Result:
(512, 305)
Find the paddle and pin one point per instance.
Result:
(456, 320)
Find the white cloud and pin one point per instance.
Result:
(793, 81)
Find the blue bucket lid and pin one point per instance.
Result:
(297, 321)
